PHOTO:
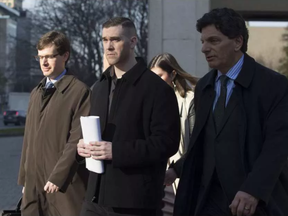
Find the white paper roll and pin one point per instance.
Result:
(91, 131)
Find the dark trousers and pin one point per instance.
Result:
(93, 209)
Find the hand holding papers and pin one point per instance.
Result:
(91, 132)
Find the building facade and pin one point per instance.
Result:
(15, 4)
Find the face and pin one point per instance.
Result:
(220, 51)
(51, 63)
(168, 78)
(118, 44)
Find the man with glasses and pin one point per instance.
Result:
(53, 183)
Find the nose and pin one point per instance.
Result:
(205, 48)
(110, 45)
(45, 61)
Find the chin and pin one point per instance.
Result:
(112, 62)
(46, 74)
(214, 66)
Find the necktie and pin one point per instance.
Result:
(221, 102)
(49, 85)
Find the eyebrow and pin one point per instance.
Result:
(112, 38)
(211, 37)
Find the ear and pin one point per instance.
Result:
(173, 74)
(133, 42)
(66, 56)
(238, 43)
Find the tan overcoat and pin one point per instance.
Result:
(52, 132)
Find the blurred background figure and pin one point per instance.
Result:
(166, 66)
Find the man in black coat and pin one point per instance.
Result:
(140, 125)
(237, 160)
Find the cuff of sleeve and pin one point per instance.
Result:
(79, 159)
(255, 192)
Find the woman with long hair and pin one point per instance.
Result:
(166, 66)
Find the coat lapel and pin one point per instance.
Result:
(206, 98)
(205, 106)
(101, 97)
(242, 81)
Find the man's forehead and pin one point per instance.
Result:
(209, 32)
(113, 29)
(116, 31)
(48, 48)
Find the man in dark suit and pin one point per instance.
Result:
(237, 160)
(139, 119)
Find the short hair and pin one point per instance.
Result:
(123, 21)
(56, 38)
(228, 22)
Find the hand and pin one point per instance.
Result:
(50, 187)
(170, 177)
(82, 149)
(101, 150)
(243, 204)
(23, 189)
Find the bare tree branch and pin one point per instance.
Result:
(82, 22)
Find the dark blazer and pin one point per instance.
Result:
(143, 126)
(263, 130)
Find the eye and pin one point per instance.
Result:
(214, 40)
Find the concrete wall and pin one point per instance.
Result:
(276, 10)
(172, 29)
(252, 5)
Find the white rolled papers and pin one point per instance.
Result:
(91, 131)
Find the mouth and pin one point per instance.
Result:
(45, 69)
(210, 58)
(109, 55)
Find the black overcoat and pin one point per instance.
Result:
(263, 131)
(144, 127)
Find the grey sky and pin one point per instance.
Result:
(29, 4)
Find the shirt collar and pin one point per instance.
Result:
(234, 71)
(131, 75)
(62, 83)
(57, 78)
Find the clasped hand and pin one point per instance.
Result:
(100, 150)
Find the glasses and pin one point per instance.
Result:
(38, 58)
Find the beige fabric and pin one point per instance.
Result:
(187, 119)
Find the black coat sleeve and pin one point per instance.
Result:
(273, 157)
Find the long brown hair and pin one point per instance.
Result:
(168, 63)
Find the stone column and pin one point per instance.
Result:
(172, 28)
